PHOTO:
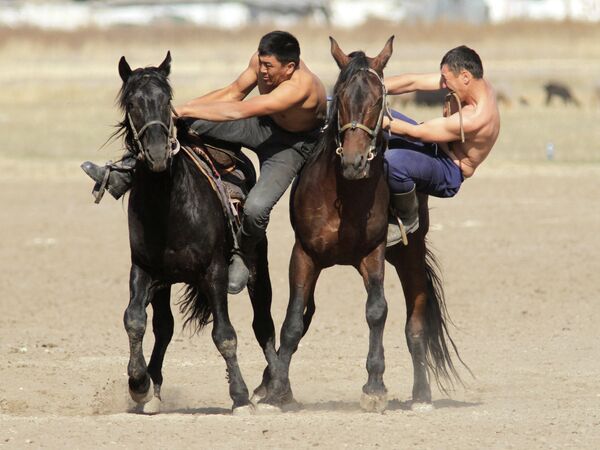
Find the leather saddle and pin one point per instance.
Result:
(227, 164)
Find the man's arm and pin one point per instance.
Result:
(440, 129)
(282, 98)
(236, 91)
(409, 82)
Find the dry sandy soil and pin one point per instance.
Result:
(519, 253)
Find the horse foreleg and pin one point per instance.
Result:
(259, 290)
(303, 277)
(371, 268)
(162, 326)
(140, 289)
(225, 338)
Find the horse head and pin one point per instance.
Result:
(359, 103)
(145, 98)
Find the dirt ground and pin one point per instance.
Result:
(518, 248)
(519, 251)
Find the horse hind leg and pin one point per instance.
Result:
(260, 292)
(162, 326)
(225, 339)
(140, 288)
(409, 263)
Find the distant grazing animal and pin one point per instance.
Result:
(596, 94)
(430, 98)
(555, 89)
(503, 97)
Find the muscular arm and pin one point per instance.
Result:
(236, 91)
(409, 82)
(282, 98)
(441, 129)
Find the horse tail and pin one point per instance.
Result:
(438, 356)
(196, 309)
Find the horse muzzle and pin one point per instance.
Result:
(355, 168)
(157, 160)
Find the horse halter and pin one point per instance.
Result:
(173, 145)
(354, 124)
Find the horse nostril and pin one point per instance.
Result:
(358, 161)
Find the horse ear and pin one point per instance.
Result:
(124, 69)
(165, 66)
(340, 57)
(378, 63)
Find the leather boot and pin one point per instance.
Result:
(239, 266)
(403, 217)
(114, 177)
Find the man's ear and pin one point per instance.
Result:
(465, 76)
(290, 67)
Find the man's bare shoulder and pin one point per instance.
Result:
(310, 80)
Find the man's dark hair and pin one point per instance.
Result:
(282, 45)
(463, 57)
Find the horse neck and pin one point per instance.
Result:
(162, 191)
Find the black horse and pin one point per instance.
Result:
(178, 232)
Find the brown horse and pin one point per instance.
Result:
(339, 211)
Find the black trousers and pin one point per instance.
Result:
(281, 155)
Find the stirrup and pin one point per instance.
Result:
(402, 232)
(100, 188)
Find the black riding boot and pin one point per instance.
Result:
(403, 218)
(241, 261)
(114, 177)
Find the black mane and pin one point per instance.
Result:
(357, 64)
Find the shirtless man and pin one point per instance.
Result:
(280, 125)
(430, 157)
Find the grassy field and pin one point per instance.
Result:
(57, 103)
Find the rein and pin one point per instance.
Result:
(453, 95)
(173, 145)
(355, 124)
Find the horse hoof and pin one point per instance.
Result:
(246, 410)
(267, 409)
(421, 407)
(373, 402)
(256, 398)
(143, 398)
(152, 406)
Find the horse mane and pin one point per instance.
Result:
(358, 63)
(139, 77)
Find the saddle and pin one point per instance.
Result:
(229, 171)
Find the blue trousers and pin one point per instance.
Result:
(410, 162)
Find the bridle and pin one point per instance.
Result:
(173, 145)
(355, 124)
